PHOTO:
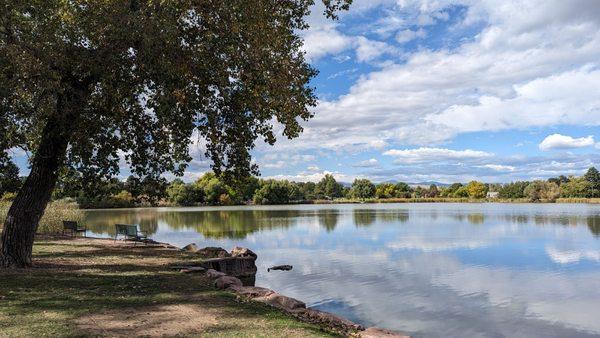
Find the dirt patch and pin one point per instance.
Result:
(99, 287)
(164, 320)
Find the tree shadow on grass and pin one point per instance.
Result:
(98, 284)
(98, 250)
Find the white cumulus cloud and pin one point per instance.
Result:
(424, 154)
(558, 141)
(370, 163)
(328, 40)
(313, 176)
(367, 50)
(498, 167)
(409, 35)
(534, 64)
(325, 40)
(280, 160)
(571, 97)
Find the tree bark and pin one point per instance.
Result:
(28, 206)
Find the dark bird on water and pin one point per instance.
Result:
(280, 267)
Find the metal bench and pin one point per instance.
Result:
(130, 232)
(73, 228)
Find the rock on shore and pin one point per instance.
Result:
(225, 282)
(232, 266)
(242, 252)
(280, 301)
(192, 247)
(374, 332)
(252, 291)
(213, 252)
(214, 274)
(229, 269)
(330, 320)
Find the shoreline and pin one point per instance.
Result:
(460, 200)
(81, 287)
(197, 263)
(591, 201)
(225, 260)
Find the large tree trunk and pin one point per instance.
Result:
(29, 204)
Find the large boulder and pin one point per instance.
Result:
(242, 252)
(329, 320)
(232, 266)
(192, 269)
(214, 274)
(213, 252)
(248, 280)
(192, 247)
(282, 302)
(252, 291)
(225, 282)
(374, 332)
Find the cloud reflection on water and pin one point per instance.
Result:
(431, 270)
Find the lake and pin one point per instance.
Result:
(430, 270)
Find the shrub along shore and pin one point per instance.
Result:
(210, 190)
(213, 190)
(57, 211)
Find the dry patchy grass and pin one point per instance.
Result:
(94, 287)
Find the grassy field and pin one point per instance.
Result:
(94, 287)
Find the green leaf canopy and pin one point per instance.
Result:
(140, 79)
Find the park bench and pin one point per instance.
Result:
(130, 232)
(73, 228)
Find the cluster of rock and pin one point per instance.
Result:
(240, 262)
(227, 271)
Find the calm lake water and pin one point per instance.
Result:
(431, 270)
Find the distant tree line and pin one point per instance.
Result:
(211, 189)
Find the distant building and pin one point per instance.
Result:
(493, 194)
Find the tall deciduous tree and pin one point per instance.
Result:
(275, 192)
(592, 176)
(513, 189)
(385, 190)
(542, 191)
(476, 189)
(362, 188)
(86, 83)
(328, 187)
(575, 187)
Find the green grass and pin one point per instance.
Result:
(74, 282)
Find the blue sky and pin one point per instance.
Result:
(445, 90)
